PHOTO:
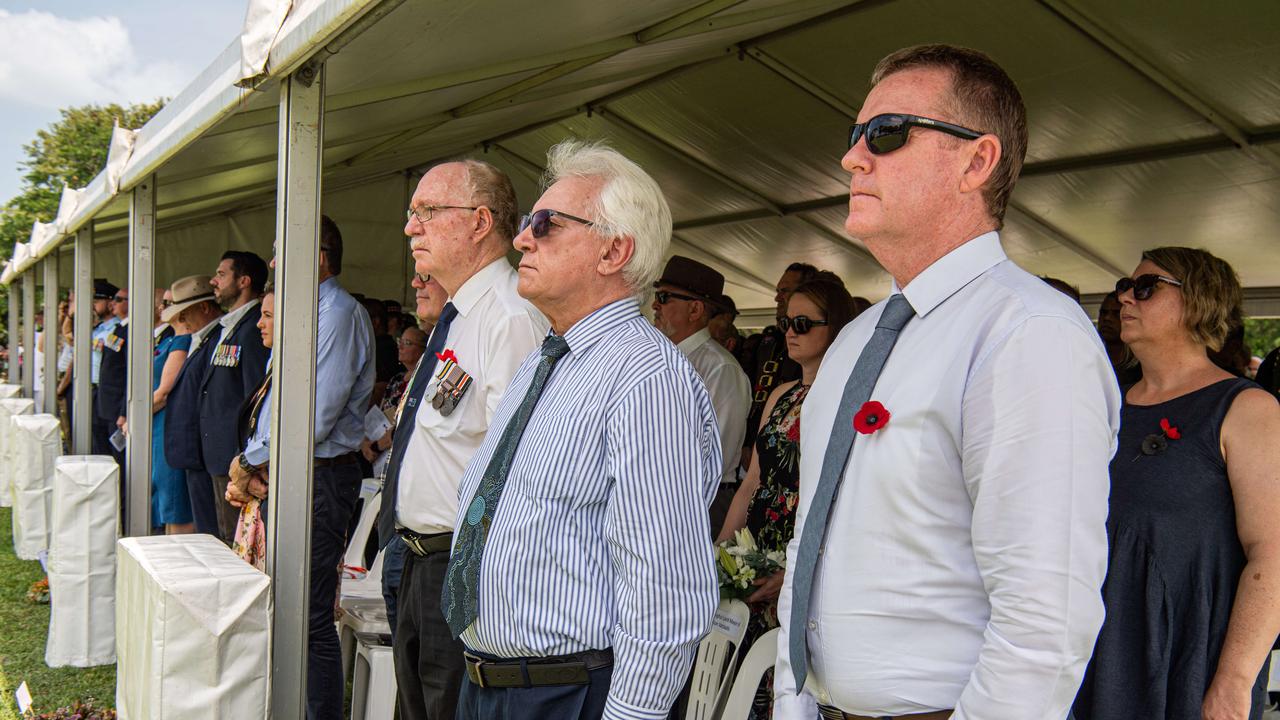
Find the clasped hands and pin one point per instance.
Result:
(244, 485)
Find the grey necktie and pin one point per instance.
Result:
(461, 597)
(857, 390)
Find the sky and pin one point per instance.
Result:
(63, 53)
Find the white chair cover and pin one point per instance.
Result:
(82, 561)
(9, 391)
(193, 626)
(8, 408)
(37, 442)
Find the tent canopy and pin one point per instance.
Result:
(1149, 125)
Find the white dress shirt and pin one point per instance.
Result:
(730, 394)
(493, 333)
(966, 548)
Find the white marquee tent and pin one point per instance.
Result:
(1151, 124)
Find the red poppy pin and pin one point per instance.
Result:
(447, 355)
(1169, 430)
(871, 417)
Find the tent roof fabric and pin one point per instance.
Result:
(1149, 124)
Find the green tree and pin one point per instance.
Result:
(70, 152)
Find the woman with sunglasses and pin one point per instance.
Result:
(766, 501)
(1193, 585)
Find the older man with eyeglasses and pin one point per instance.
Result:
(582, 573)
(460, 223)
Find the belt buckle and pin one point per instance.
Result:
(478, 663)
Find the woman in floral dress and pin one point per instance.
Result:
(766, 501)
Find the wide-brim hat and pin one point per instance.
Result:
(691, 275)
(189, 291)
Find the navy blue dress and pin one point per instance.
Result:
(1175, 562)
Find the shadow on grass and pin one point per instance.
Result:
(23, 628)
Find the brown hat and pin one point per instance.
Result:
(727, 305)
(189, 291)
(691, 275)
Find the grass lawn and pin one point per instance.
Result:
(23, 627)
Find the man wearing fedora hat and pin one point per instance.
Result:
(688, 294)
(195, 306)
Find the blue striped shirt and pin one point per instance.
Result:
(601, 537)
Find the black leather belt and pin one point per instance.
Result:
(424, 545)
(827, 712)
(347, 459)
(535, 672)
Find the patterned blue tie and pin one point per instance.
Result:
(405, 421)
(461, 597)
(857, 390)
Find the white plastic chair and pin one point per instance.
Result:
(762, 656)
(373, 689)
(713, 667)
(354, 556)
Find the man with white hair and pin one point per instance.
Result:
(597, 578)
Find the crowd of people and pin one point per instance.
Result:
(989, 508)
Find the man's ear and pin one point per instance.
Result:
(983, 157)
(483, 223)
(615, 254)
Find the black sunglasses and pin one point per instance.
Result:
(120, 298)
(1143, 285)
(540, 221)
(666, 296)
(888, 132)
(800, 323)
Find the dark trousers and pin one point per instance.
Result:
(429, 666)
(200, 489)
(392, 570)
(334, 499)
(228, 516)
(562, 702)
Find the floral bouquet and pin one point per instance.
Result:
(39, 591)
(739, 562)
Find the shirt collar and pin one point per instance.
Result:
(232, 318)
(694, 341)
(328, 287)
(159, 329)
(477, 285)
(604, 321)
(953, 271)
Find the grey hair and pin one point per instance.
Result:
(491, 188)
(630, 204)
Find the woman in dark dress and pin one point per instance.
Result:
(765, 503)
(1193, 586)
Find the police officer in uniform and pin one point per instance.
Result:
(113, 378)
(106, 321)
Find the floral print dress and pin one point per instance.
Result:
(771, 515)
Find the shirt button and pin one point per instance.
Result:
(813, 624)
(821, 550)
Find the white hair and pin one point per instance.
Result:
(629, 204)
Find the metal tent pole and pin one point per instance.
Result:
(142, 236)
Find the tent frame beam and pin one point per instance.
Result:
(293, 365)
(82, 362)
(28, 335)
(142, 278)
(52, 330)
(1162, 78)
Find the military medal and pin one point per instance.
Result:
(452, 386)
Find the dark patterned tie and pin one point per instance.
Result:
(857, 390)
(461, 600)
(404, 424)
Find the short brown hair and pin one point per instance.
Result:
(491, 188)
(983, 98)
(1212, 301)
(828, 292)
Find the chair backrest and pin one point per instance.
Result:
(713, 667)
(364, 528)
(762, 656)
(1273, 682)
